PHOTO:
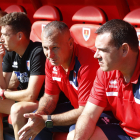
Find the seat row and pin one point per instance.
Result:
(86, 19)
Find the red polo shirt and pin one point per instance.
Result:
(78, 81)
(124, 98)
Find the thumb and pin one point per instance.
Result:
(29, 115)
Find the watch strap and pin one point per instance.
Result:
(49, 118)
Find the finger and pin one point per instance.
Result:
(29, 115)
(26, 135)
(24, 128)
(33, 136)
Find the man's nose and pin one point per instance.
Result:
(96, 55)
(50, 54)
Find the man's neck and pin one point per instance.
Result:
(129, 68)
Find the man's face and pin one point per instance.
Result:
(109, 57)
(8, 38)
(56, 48)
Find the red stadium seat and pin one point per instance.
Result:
(133, 18)
(45, 14)
(15, 8)
(87, 19)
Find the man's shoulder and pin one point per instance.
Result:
(106, 75)
(35, 47)
(10, 54)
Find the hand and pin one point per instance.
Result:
(34, 125)
(2, 52)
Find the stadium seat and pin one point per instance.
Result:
(87, 19)
(44, 15)
(133, 18)
(15, 8)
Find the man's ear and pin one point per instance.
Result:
(125, 49)
(71, 41)
(19, 35)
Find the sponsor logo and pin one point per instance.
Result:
(105, 120)
(28, 65)
(111, 93)
(113, 84)
(86, 33)
(56, 79)
(15, 64)
(54, 70)
(22, 77)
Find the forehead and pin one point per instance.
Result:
(103, 40)
(51, 40)
(6, 28)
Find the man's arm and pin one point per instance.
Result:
(14, 82)
(137, 138)
(86, 123)
(29, 94)
(47, 104)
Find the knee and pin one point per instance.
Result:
(70, 135)
(16, 112)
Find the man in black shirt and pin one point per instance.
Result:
(27, 60)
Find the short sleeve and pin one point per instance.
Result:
(98, 92)
(37, 62)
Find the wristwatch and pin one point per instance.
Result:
(49, 122)
(2, 94)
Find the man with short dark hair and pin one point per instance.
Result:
(69, 68)
(27, 60)
(117, 84)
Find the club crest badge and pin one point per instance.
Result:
(86, 33)
(138, 34)
(28, 65)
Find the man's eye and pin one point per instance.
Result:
(54, 48)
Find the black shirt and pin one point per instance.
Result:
(31, 63)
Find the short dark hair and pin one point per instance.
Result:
(58, 25)
(121, 32)
(18, 21)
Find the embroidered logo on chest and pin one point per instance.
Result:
(113, 84)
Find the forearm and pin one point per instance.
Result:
(85, 127)
(47, 104)
(14, 82)
(21, 95)
(67, 118)
(2, 80)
